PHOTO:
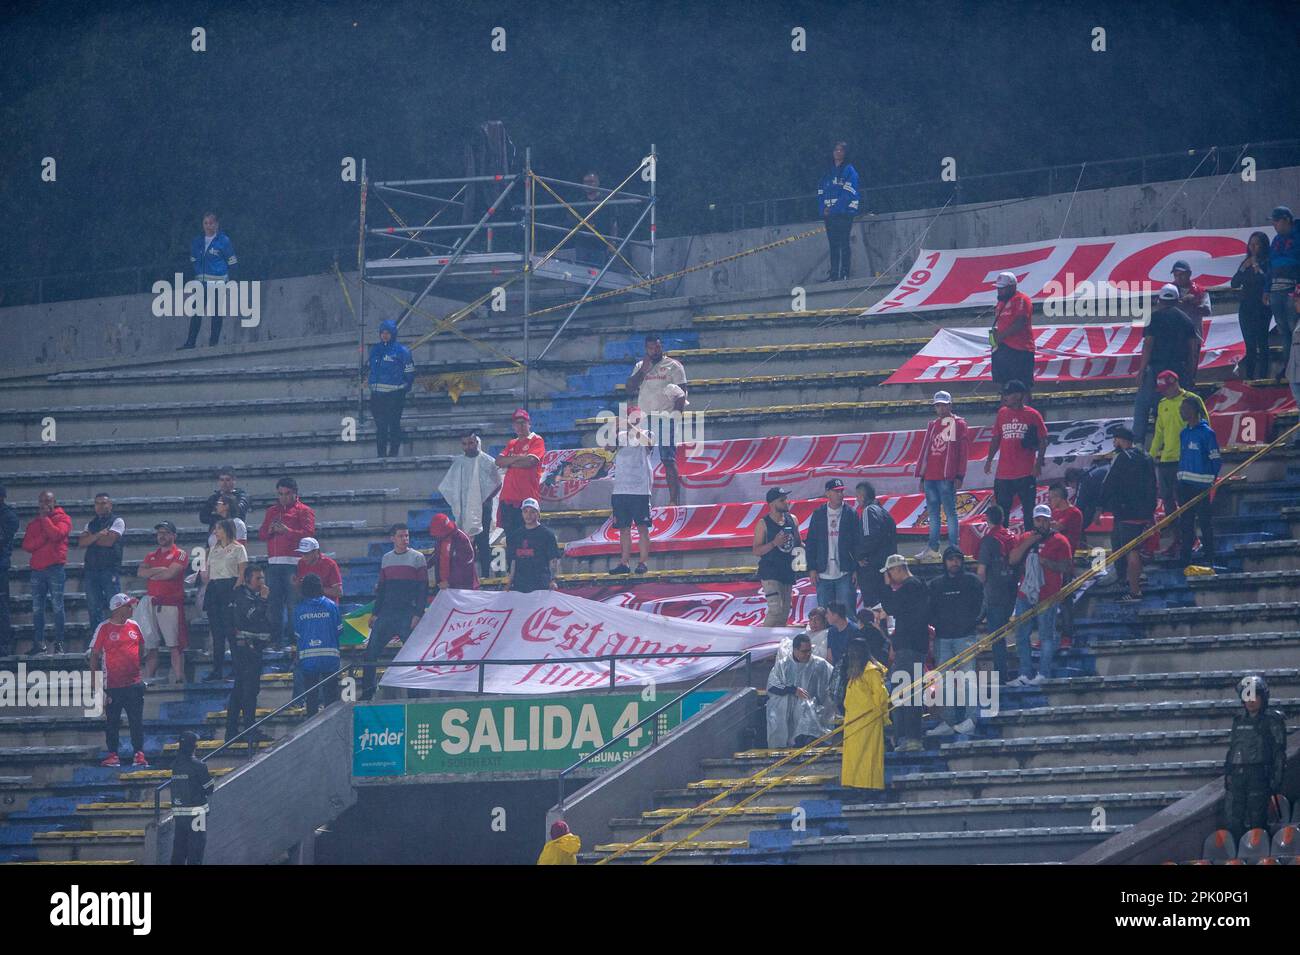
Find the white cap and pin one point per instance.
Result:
(120, 600)
(1169, 293)
(1004, 279)
(942, 398)
(530, 502)
(1042, 510)
(892, 561)
(307, 545)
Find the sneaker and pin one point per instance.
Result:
(943, 729)
(1130, 598)
(58, 647)
(37, 650)
(621, 569)
(1037, 680)
(927, 555)
(641, 568)
(966, 727)
(913, 746)
(1018, 681)
(111, 760)
(140, 762)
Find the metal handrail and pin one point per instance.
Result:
(653, 720)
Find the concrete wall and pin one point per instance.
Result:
(718, 730)
(273, 806)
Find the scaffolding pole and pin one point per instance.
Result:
(529, 200)
(654, 178)
(361, 297)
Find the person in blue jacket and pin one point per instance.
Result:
(316, 626)
(1198, 467)
(213, 259)
(838, 196)
(1282, 277)
(392, 372)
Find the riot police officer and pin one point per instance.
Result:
(1256, 759)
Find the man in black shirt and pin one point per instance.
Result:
(775, 537)
(225, 485)
(191, 783)
(252, 635)
(533, 553)
(879, 539)
(1171, 341)
(956, 598)
(908, 602)
(101, 573)
(1087, 489)
(1129, 493)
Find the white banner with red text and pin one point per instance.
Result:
(1067, 268)
(554, 629)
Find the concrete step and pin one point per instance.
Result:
(1161, 687)
(1241, 652)
(1234, 618)
(1111, 718)
(1270, 555)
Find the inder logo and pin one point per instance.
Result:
(229, 299)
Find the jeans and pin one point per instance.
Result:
(1202, 513)
(838, 231)
(1254, 318)
(1284, 313)
(942, 493)
(778, 602)
(387, 407)
(483, 543)
(247, 661)
(196, 323)
(131, 700)
(996, 618)
(1008, 490)
(101, 586)
(840, 590)
(279, 579)
(944, 650)
(1046, 623)
(1144, 403)
(382, 630)
(48, 582)
(907, 714)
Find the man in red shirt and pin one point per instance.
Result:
(313, 561)
(1019, 442)
(1068, 520)
(1012, 335)
(116, 646)
(46, 539)
(286, 523)
(521, 459)
(1046, 557)
(162, 620)
(941, 470)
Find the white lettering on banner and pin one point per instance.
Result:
(555, 629)
(959, 278)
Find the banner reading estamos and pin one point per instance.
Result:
(550, 630)
(961, 278)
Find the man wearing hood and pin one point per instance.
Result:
(1256, 760)
(392, 372)
(798, 696)
(470, 488)
(563, 847)
(452, 560)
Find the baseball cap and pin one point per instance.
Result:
(1181, 266)
(530, 502)
(1169, 293)
(165, 526)
(892, 561)
(120, 600)
(777, 493)
(520, 413)
(951, 551)
(834, 484)
(307, 545)
(1167, 377)
(1123, 432)
(1042, 510)
(1004, 279)
(941, 398)
(1281, 212)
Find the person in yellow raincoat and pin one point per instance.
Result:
(563, 847)
(866, 714)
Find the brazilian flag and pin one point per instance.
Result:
(356, 626)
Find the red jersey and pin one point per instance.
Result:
(120, 645)
(282, 546)
(325, 568)
(167, 593)
(1007, 312)
(522, 483)
(946, 447)
(1070, 523)
(1014, 459)
(1055, 548)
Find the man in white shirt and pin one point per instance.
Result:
(658, 386)
(630, 499)
(834, 538)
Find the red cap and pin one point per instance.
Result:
(440, 525)
(520, 413)
(1167, 377)
(559, 828)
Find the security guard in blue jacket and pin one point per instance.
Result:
(392, 372)
(213, 258)
(840, 202)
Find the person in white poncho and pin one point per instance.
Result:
(798, 696)
(470, 487)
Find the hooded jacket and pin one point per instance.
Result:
(216, 262)
(1166, 443)
(561, 851)
(452, 560)
(391, 366)
(46, 539)
(837, 193)
(1199, 462)
(1129, 491)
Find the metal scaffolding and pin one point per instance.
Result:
(501, 247)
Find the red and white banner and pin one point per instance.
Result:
(555, 629)
(734, 603)
(1062, 352)
(957, 278)
(1243, 414)
(743, 469)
